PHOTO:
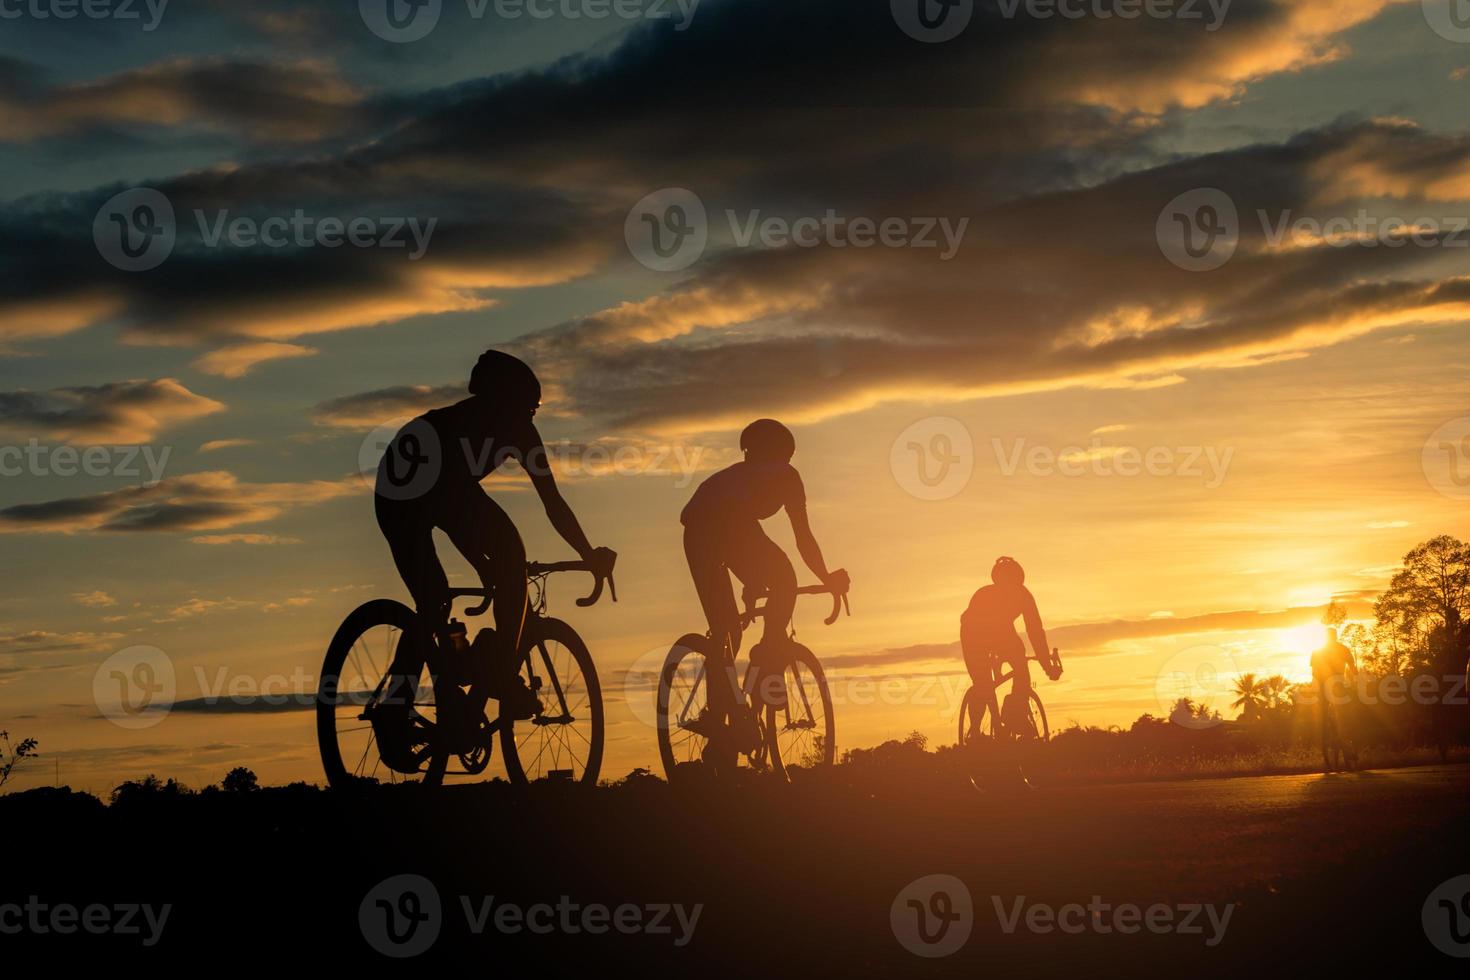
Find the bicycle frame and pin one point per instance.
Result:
(536, 575)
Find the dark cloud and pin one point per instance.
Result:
(253, 100)
(372, 408)
(1038, 133)
(1046, 291)
(197, 502)
(119, 412)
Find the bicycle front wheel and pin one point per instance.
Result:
(564, 740)
(802, 735)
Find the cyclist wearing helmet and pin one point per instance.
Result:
(987, 631)
(429, 478)
(722, 534)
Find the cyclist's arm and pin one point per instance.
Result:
(1034, 631)
(806, 542)
(537, 463)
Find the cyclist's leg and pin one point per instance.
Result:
(484, 533)
(410, 537)
(1019, 699)
(411, 540)
(982, 678)
(712, 585)
(702, 549)
(760, 564)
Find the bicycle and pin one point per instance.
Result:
(700, 722)
(562, 741)
(983, 725)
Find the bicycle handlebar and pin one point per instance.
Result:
(839, 601)
(602, 573)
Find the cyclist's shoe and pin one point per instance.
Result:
(394, 729)
(745, 731)
(517, 698)
(766, 680)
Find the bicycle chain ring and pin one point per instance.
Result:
(477, 759)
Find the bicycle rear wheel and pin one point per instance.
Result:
(802, 735)
(354, 681)
(977, 716)
(564, 740)
(999, 759)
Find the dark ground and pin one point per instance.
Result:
(794, 880)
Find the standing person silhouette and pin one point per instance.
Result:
(988, 632)
(1335, 671)
(722, 534)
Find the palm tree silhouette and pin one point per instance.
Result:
(1250, 696)
(1278, 690)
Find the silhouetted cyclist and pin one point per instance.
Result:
(1335, 672)
(430, 477)
(988, 632)
(722, 534)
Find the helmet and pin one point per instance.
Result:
(1007, 571)
(768, 440)
(506, 377)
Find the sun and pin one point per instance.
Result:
(1300, 639)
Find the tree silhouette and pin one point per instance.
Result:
(12, 755)
(1250, 697)
(240, 780)
(1425, 607)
